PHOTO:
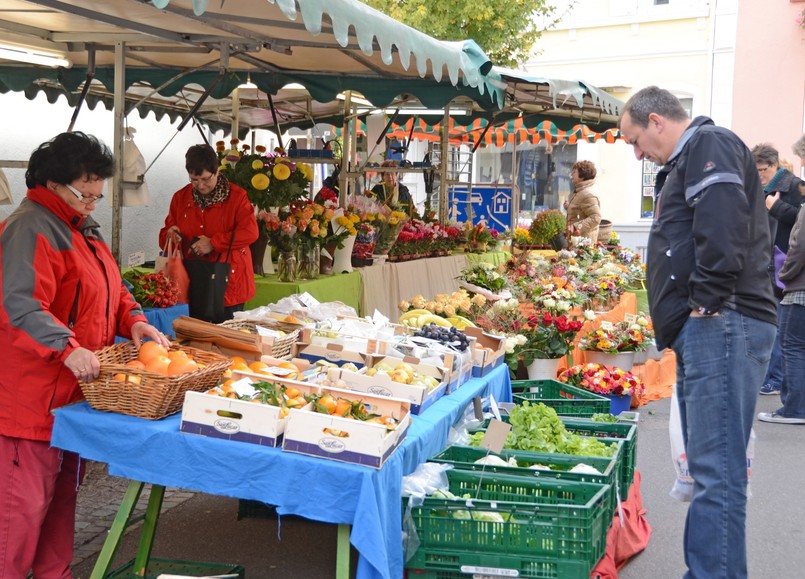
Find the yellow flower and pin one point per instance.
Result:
(260, 181)
(281, 171)
(257, 164)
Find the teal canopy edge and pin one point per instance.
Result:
(323, 88)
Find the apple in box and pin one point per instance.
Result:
(365, 431)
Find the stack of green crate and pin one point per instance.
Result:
(566, 399)
(559, 465)
(609, 432)
(512, 526)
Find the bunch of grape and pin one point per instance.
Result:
(448, 336)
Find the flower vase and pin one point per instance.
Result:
(258, 251)
(286, 266)
(342, 260)
(622, 360)
(618, 404)
(327, 258)
(309, 258)
(543, 369)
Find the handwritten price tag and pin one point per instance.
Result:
(607, 326)
(630, 318)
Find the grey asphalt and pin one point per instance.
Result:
(200, 527)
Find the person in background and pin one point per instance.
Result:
(208, 214)
(62, 299)
(390, 192)
(791, 333)
(783, 201)
(583, 208)
(712, 304)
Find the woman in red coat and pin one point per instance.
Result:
(61, 299)
(206, 216)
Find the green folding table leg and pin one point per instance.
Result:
(149, 530)
(107, 554)
(342, 553)
(123, 519)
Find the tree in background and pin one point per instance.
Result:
(505, 29)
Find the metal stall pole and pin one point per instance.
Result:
(444, 144)
(119, 116)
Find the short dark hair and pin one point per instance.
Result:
(653, 99)
(586, 169)
(67, 157)
(200, 158)
(766, 153)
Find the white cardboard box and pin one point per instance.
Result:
(231, 419)
(382, 385)
(331, 352)
(492, 355)
(365, 443)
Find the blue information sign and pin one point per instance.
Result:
(491, 204)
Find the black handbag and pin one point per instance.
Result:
(208, 283)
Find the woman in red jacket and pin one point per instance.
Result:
(208, 215)
(62, 299)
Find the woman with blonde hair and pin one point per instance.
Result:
(583, 208)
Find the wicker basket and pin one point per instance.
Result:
(157, 395)
(280, 347)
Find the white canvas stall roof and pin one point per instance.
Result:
(328, 38)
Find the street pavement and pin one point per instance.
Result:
(200, 527)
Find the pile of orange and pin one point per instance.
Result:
(153, 357)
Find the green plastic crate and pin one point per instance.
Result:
(566, 399)
(158, 566)
(607, 431)
(557, 526)
(464, 457)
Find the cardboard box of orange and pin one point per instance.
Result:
(345, 439)
(241, 420)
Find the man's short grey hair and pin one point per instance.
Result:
(799, 147)
(765, 153)
(653, 99)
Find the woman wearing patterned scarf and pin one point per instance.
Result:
(783, 200)
(208, 214)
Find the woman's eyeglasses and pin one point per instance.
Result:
(85, 199)
(196, 180)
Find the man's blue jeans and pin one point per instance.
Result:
(720, 361)
(792, 332)
(774, 375)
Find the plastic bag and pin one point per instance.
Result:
(173, 267)
(682, 490)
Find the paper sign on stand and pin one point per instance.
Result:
(495, 436)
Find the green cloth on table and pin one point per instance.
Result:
(340, 287)
(491, 257)
(642, 299)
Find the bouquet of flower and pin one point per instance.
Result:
(484, 275)
(152, 289)
(281, 229)
(603, 380)
(269, 179)
(548, 336)
(389, 223)
(624, 336)
(479, 236)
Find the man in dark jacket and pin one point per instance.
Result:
(783, 201)
(712, 304)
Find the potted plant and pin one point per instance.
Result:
(616, 344)
(548, 228)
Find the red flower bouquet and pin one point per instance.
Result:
(605, 380)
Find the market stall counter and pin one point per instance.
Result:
(366, 499)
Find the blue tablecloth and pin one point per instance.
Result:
(368, 499)
(162, 319)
